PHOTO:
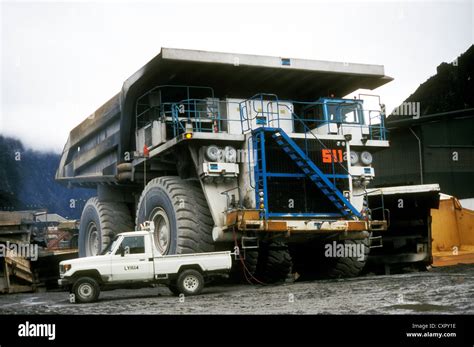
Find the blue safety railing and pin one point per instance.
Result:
(196, 114)
(266, 110)
(188, 110)
(204, 115)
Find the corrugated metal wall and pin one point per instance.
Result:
(447, 154)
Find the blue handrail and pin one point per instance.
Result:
(265, 109)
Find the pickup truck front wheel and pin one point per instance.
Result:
(190, 282)
(86, 289)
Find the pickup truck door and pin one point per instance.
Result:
(131, 261)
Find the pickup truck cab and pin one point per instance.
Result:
(133, 260)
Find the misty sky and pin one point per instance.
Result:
(61, 60)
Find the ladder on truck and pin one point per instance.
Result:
(308, 168)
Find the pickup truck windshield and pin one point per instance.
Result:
(111, 246)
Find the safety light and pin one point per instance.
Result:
(188, 135)
(262, 206)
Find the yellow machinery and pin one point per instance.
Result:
(452, 233)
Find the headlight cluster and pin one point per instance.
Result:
(64, 268)
(365, 158)
(227, 154)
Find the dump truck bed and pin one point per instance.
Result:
(408, 236)
(98, 144)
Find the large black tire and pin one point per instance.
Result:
(190, 282)
(251, 260)
(346, 267)
(183, 223)
(274, 263)
(86, 289)
(100, 221)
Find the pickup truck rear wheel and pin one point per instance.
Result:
(100, 221)
(86, 289)
(190, 282)
(178, 208)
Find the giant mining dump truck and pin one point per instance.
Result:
(239, 152)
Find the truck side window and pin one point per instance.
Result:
(313, 116)
(332, 113)
(136, 244)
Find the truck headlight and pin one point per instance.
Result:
(213, 153)
(366, 158)
(354, 158)
(230, 154)
(64, 268)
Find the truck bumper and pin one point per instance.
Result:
(248, 220)
(64, 282)
(239, 222)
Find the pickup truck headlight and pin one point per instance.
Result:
(64, 268)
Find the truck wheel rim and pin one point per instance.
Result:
(191, 283)
(85, 290)
(162, 229)
(93, 239)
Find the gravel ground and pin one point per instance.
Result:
(448, 290)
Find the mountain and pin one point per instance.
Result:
(452, 88)
(27, 182)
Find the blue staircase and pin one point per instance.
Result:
(306, 165)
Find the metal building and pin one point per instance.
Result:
(435, 148)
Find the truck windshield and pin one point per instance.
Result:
(111, 246)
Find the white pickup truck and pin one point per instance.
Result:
(132, 260)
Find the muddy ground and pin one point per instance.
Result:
(448, 290)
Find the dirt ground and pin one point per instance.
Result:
(448, 290)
